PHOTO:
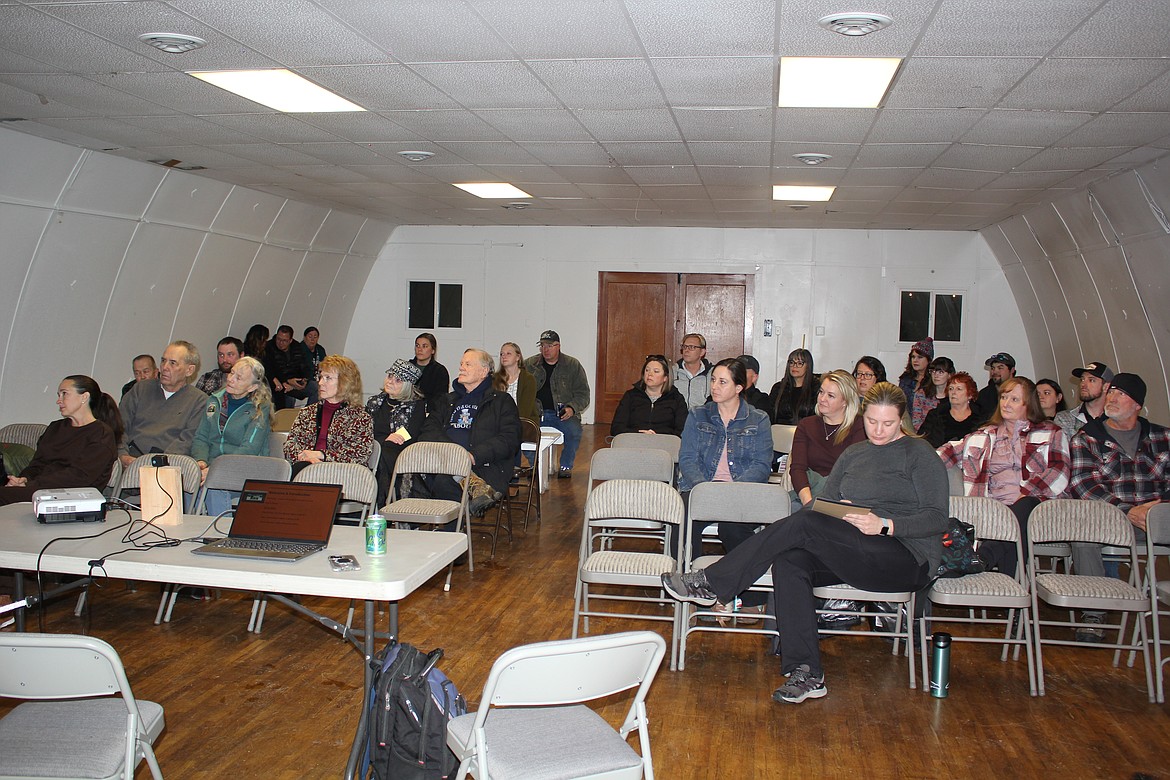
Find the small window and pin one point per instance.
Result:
(424, 308)
(935, 314)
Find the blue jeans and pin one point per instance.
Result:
(572, 430)
(219, 501)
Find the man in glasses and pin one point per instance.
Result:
(692, 373)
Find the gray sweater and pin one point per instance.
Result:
(903, 481)
(160, 424)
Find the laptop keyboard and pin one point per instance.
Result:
(256, 544)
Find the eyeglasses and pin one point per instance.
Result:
(686, 347)
(796, 362)
(864, 375)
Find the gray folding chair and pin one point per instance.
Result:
(1157, 539)
(115, 478)
(666, 442)
(654, 465)
(903, 626)
(626, 499)
(987, 590)
(359, 488)
(188, 468)
(1099, 522)
(27, 434)
(440, 458)
(531, 722)
(276, 441)
(75, 725)
(754, 503)
(227, 472)
(782, 436)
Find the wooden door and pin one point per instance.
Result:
(643, 314)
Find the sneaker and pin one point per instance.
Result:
(1092, 636)
(690, 586)
(801, 685)
(565, 473)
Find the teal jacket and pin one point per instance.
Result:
(246, 432)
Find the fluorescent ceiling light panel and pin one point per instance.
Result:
(783, 192)
(280, 89)
(835, 82)
(493, 189)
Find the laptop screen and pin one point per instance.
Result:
(286, 511)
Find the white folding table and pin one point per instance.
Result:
(412, 558)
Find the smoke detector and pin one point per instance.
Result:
(172, 43)
(855, 23)
(416, 156)
(812, 158)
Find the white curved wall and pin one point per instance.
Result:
(105, 258)
(1090, 272)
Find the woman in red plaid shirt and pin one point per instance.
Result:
(1018, 458)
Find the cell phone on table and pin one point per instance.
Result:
(344, 563)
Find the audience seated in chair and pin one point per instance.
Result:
(337, 427)
(236, 422)
(227, 352)
(287, 365)
(143, 367)
(163, 416)
(399, 412)
(76, 451)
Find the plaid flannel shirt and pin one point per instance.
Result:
(1102, 470)
(1045, 466)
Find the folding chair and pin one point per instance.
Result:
(636, 500)
(531, 722)
(88, 731)
(782, 436)
(755, 503)
(282, 419)
(276, 441)
(988, 590)
(227, 472)
(115, 479)
(27, 434)
(903, 626)
(631, 463)
(666, 442)
(188, 468)
(439, 458)
(1157, 537)
(1098, 522)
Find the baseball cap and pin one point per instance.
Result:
(1000, 357)
(750, 362)
(1099, 370)
(550, 335)
(1132, 385)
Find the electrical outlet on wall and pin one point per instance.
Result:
(767, 327)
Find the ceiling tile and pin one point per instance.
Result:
(489, 152)
(440, 126)
(271, 154)
(1082, 84)
(49, 40)
(556, 124)
(1121, 28)
(898, 155)
(1015, 180)
(383, 87)
(523, 174)
(801, 36)
(115, 132)
(1069, 159)
(570, 153)
(904, 125)
(590, 83)
(984, 157)
(1002, 27)
(648, 124)
(1155, 96)
(583, 175)
(870, 177)
(560, 29)
(743, 153)
(85, 95)
(664, 174)
(668, 28)
(272, 127)
(627, 154)
(488, 84)
(1018, 127)
(731, 125)
(831, 125)
(956, 82)
(735, 175)
(717, 81)
(954, 177)
(1119, 129)
(423, 30)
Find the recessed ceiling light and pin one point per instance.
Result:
(416, 156)
(812, 158)
(493, 189)
(278, 88)
(790, 192)
(835, 82)
(172, 43)
(518, 205)
(855, 23)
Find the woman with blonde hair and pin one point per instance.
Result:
(336, 428)
(237, 422)
(822, 437)
(517, 381)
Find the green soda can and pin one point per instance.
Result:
(375, 535)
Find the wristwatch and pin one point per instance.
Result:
(885, 527)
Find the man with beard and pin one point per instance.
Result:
(1000, 367)
(227, 352)
(1095, 378)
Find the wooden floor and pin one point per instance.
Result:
(284, 704)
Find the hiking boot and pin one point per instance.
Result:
(801, 685)
(483, 502)
(690, 586)
(1092, 636)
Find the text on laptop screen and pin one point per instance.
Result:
(290, 511)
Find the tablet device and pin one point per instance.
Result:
(837, 509)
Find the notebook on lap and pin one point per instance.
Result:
(279, 521)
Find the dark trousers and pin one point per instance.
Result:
(1002, 555)
(809, 550)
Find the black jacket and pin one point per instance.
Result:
(495, 434)
(636, 412)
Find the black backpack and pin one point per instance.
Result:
(409, 709)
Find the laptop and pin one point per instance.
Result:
(279, 521)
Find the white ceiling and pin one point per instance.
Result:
(611, 112)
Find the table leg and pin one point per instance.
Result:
(359, 741)
(18, 595)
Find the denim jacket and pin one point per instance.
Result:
(748, 439)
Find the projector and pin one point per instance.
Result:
(69, 505)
